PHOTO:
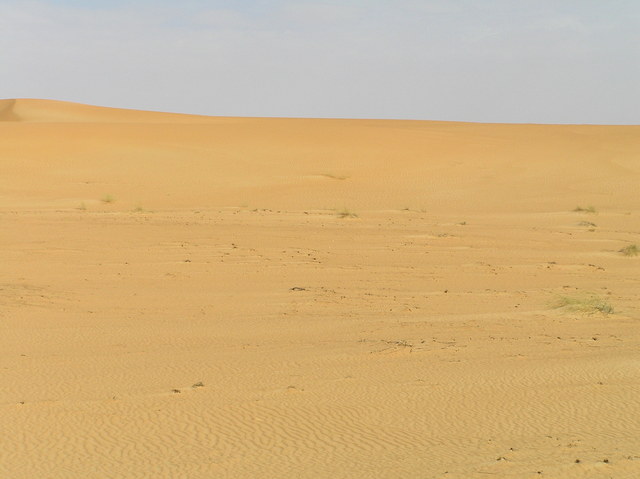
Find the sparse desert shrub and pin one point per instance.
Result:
(108, 199)
(589, 304)
(587, 223)
(588, 209)
(334, 177)
(630, 250)
(82, 206)
(346, 213)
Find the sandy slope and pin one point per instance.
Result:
(420, 339)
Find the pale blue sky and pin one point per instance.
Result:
(541, 61)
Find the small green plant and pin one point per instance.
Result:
(82, 206)
(108, 199)
(588, 304)
(630, 250)
(346, 213)
(588, 209)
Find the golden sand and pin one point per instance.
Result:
(198, 297)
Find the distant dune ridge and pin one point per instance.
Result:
(52, 111)
(196, 297)
(442, 166)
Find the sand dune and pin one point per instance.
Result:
(178, 161)
(52, 111)
(188, 296)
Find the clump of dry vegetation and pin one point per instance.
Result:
(588, 209)
(346, 213)
(108, 199)
(630, 250)
(335, 177)
(589, 304)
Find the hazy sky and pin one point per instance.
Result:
(542, 61)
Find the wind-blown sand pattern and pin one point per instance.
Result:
(195, 297)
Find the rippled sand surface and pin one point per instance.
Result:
(198, 297)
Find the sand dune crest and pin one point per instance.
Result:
(53, 111)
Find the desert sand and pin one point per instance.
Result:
(206, 297)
